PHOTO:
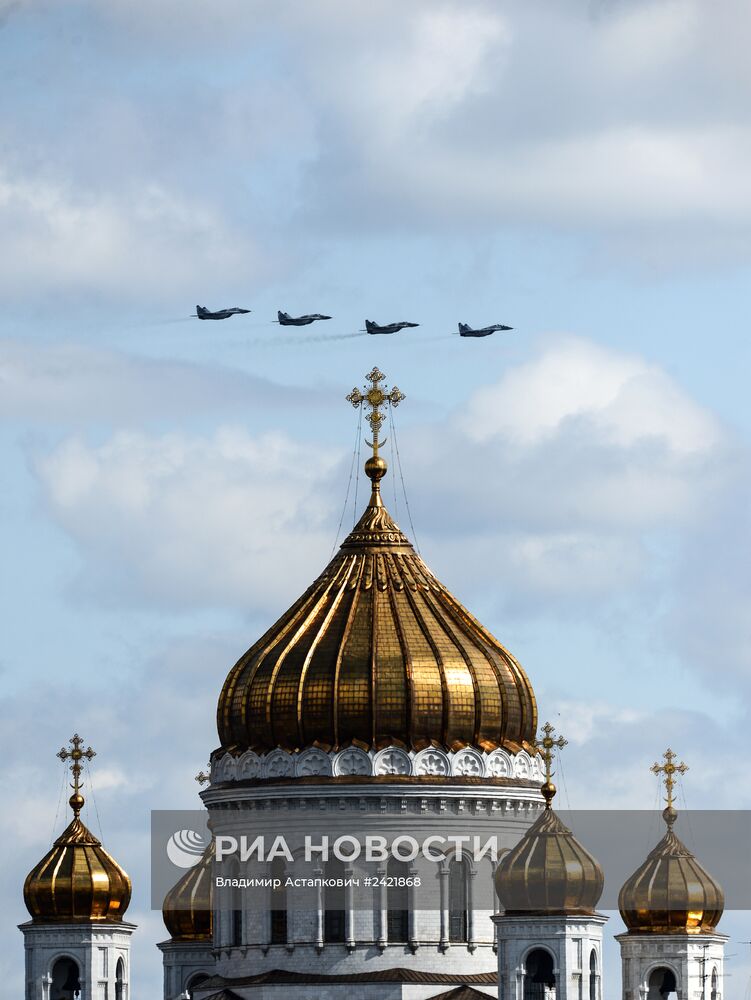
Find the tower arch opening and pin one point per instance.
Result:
(594, 983)
(661, 983)
(120, 980)
(194, 982)
(539, 978)
(66, 980)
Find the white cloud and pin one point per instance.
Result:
(58, 235)
(229, 518)
(59, 383)
(576, 467)
(623, 399)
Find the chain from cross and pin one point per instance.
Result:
(546, 744)
(375, 396)
(669, 768)
(76, 755)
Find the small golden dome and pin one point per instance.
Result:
(376, 653)
(549, 871)
(77, 881)
(188, 906)
(670, 893)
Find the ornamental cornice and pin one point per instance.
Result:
(469, 762)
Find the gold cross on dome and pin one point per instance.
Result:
(76, 755)
(546, 744)
(375, 397)
(202, 778)
(669, 768)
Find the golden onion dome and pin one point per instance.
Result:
(549, 872)
(188, 906)
(376, 652)
(77, 880)
(670, 893)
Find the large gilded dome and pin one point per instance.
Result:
(670, 893)
(376, 652)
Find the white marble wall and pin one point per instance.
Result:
(96, 948)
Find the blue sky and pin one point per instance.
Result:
(577, 171)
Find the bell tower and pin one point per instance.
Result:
(77, 943)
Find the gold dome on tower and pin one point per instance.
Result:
(670, 893)
(77, 881)
(549, 872)
(377, 652)
(188, 906)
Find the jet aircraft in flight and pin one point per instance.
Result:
(483, 331)
(372, 327)
(203, 313)
(286, 320)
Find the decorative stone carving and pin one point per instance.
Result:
(392, 761)
(432, 761)
(468, 764)
(352, 761)
(498, 765)
(248, 766)
(522, 765)
(278, 764)
(226, 768)
(312, 762)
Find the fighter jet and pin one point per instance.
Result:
(483, 331)
(372, 327)
(286, 320)
(203, 313)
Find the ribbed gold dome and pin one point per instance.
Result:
(549, 871)
(376, 653)
(670, 893)
(77, 881)
(188, 906)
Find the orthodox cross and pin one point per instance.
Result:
(546, 744)
(375, 397)
(76, 755)
(669, 768)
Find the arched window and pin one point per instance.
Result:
(279, 903)
(334, 927)
(593, 977)
(458, 922)
(235, 899)
(397, 902)
(539, 979)
(715, 981)
(661, 984)
(194, 982)
(120, 980)
(66, 983)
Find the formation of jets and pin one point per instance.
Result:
(284, 319)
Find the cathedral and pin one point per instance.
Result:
(379, 705)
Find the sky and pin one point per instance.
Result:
(578, 171)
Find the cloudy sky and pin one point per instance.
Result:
(578, 171)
